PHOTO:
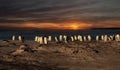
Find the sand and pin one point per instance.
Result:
(29, 55)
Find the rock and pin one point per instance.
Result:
(17, 52)
(5, 41)
(23, 46)
(26, 48)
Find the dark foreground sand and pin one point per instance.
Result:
(72, 56)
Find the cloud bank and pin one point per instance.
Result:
(98, 13)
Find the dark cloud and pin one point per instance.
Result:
(17, 11)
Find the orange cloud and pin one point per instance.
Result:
(107, 24)
(64, 25)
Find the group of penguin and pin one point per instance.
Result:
(66, 39)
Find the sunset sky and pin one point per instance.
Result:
(59, 14)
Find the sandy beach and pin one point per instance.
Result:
(29, 55)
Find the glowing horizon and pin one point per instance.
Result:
(65, 25)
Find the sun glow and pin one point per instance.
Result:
(77, 25)
(74, 26)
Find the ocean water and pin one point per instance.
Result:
(29, 35)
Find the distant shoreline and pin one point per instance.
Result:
(35, 29)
